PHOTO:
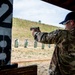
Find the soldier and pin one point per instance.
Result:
(63, 59)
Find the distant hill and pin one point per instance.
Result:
(21, 28)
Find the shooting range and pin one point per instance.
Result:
(6, 20)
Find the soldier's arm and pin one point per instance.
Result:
(48, 38)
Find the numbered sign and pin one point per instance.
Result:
(6, 7)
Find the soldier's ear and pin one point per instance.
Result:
(72, 22)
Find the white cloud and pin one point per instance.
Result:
(25, 4)
(38, 10)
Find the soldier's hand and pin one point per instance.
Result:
(34, 31)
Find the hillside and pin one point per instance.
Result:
(21, 28)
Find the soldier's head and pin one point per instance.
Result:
(69, 21)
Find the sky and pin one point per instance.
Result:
(35, 10)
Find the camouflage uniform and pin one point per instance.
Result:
(63, 59)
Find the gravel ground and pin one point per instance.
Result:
(31, 56)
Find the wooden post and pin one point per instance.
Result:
(49, 45)
(16, 43)
(43, 46)
(26, 43)
(35, 44)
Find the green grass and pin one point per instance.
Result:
(21, 28)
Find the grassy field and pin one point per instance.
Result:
(30, 55)
(21, 28)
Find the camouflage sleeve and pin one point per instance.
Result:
(48, 38)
